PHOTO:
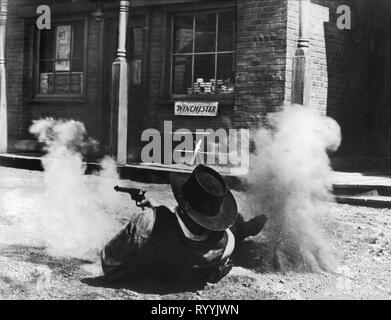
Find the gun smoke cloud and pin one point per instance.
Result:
(290, 181)
(74, 214)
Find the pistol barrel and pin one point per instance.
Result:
(121, 189)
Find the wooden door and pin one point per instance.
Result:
(109, 55)
(137, 53)
(137, 45)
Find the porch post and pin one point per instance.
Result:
(120, 89)
(3, 84)
(301, 75)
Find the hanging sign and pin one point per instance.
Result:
(198, 108)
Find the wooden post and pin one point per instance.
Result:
(3, 84)
(119, 110)
(301, 72)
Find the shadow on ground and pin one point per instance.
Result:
(252, 255)
(249, 255)
(143, 288)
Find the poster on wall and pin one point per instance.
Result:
(199, 108)
(63, 47)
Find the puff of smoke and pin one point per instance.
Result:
(289, 181)
(60, 135)
(72, 216)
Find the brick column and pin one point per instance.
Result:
(301, 72)
(3, 84)
(119, 111)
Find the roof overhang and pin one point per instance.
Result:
(79, 6)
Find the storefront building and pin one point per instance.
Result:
(122, 67)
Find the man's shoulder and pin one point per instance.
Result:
(164, 217)
(150, 218)
(164, 211)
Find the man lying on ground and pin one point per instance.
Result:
(190, 246)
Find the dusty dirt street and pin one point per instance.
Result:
(362, 234)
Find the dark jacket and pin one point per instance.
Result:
(154, 248)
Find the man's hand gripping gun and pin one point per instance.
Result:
(137, 195)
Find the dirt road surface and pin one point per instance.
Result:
(363, 235)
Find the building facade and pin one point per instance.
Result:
(121, 67)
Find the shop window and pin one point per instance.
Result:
(203, 54)
(61, 60)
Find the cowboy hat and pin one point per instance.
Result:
(205, 198)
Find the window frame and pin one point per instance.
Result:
(171, 54)
(37, 96)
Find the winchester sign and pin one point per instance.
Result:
(206, 109)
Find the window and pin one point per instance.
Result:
(61, 60)
(203, 53)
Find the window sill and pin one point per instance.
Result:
(222, 100)
(58, 99)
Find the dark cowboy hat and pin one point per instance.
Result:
(205, 198)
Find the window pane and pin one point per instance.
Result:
(182, 75)
(63, 47)
(46, 66)
(78, 39)
(183, 34)
(205, 39)
(77, 65)
(46, 48)
(226, 31)
(204, 73)
(225, 74)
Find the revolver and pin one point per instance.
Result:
(137, 195)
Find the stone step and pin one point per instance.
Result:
(362, 188)
(359, 189)
(24, 145)
(375, 193)
(368, 201)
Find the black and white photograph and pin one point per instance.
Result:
(195, 150)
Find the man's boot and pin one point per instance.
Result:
(250, 228)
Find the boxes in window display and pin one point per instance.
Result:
(224, 86)
(212, 86)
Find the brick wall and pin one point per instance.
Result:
(261, 63)
(14, 60)
(348, 64)
(341, 67)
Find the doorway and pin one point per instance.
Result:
(137, 53)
